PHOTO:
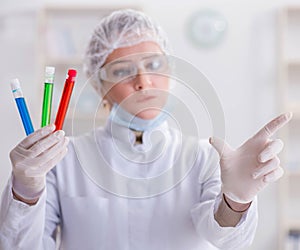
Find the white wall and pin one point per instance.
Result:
(242, 69)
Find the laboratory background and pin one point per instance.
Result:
(249, 51)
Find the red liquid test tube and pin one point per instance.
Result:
(65, 99)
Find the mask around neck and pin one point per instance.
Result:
(120, 116)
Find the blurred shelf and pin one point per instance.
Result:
(289, 100)
(63, 61)
(295, 108)
(292, 62)
(292, 173)
(293, 223)
(292, 8)
(85, 8)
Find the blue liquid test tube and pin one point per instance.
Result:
(21, 104)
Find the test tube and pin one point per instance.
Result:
(21, 104)
(65, 99)
(48, 93)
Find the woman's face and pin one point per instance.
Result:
(144, 94)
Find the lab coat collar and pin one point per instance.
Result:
(126, 135)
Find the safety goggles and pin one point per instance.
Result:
(126, 68)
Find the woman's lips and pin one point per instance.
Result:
(145, 98)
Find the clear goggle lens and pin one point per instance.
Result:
(125, 68)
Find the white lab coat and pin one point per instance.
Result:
(92, 217)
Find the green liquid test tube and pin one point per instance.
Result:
(48, 92)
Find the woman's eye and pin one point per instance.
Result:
(158, 63)
(154, 65)
(121, 72)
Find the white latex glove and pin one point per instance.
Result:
(248, 169)
(33, 158)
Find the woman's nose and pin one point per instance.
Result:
(142, 81)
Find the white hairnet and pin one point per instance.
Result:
(121, 28)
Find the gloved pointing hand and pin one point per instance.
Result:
(33, 158)
(248, 169)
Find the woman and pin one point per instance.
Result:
(102, 188)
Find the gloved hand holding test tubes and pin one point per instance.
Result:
(42, 149)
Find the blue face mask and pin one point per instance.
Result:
(124, 118)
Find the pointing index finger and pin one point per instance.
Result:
(273, 126)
